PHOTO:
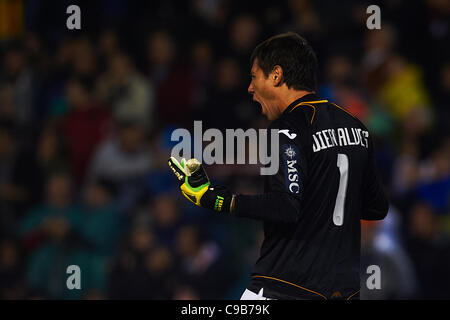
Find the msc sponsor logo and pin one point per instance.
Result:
(291, 158)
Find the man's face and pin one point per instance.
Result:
(261, 88)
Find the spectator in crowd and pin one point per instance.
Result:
(165, 219)
(429, 249)
(123, 159)
(341, 87)
(20, 79)
(59, 233)
(397, 83)
(202, 66)
(83, 58)
(169, 76)
(100, 227)
(101, 221)
(434, 186)
(12, 285)
(85, 126)
(158, 179)
(48, 232)
(6, 102)
(201, 263)
(127, 91)
(442, 98)
(382, 249)
(244, 35)
(108, 46)
(35, 166)
(143, 269)
(305, 18)
(229, 93)
(10, 193)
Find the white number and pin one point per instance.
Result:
(338, 214)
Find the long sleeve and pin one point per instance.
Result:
(281, 201)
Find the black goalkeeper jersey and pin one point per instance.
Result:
(311, 208)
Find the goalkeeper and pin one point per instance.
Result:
(326, 183)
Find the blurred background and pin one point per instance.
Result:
(85, 123)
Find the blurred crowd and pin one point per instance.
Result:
(85, 133)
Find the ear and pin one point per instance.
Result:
(277, 76)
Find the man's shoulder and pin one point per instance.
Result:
(296, 121)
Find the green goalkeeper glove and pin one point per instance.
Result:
(195, 186)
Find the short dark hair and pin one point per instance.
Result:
(294, 55)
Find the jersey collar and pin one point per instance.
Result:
(309, 98)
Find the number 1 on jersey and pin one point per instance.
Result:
(338, 214)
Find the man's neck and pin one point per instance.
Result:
(290, 96)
